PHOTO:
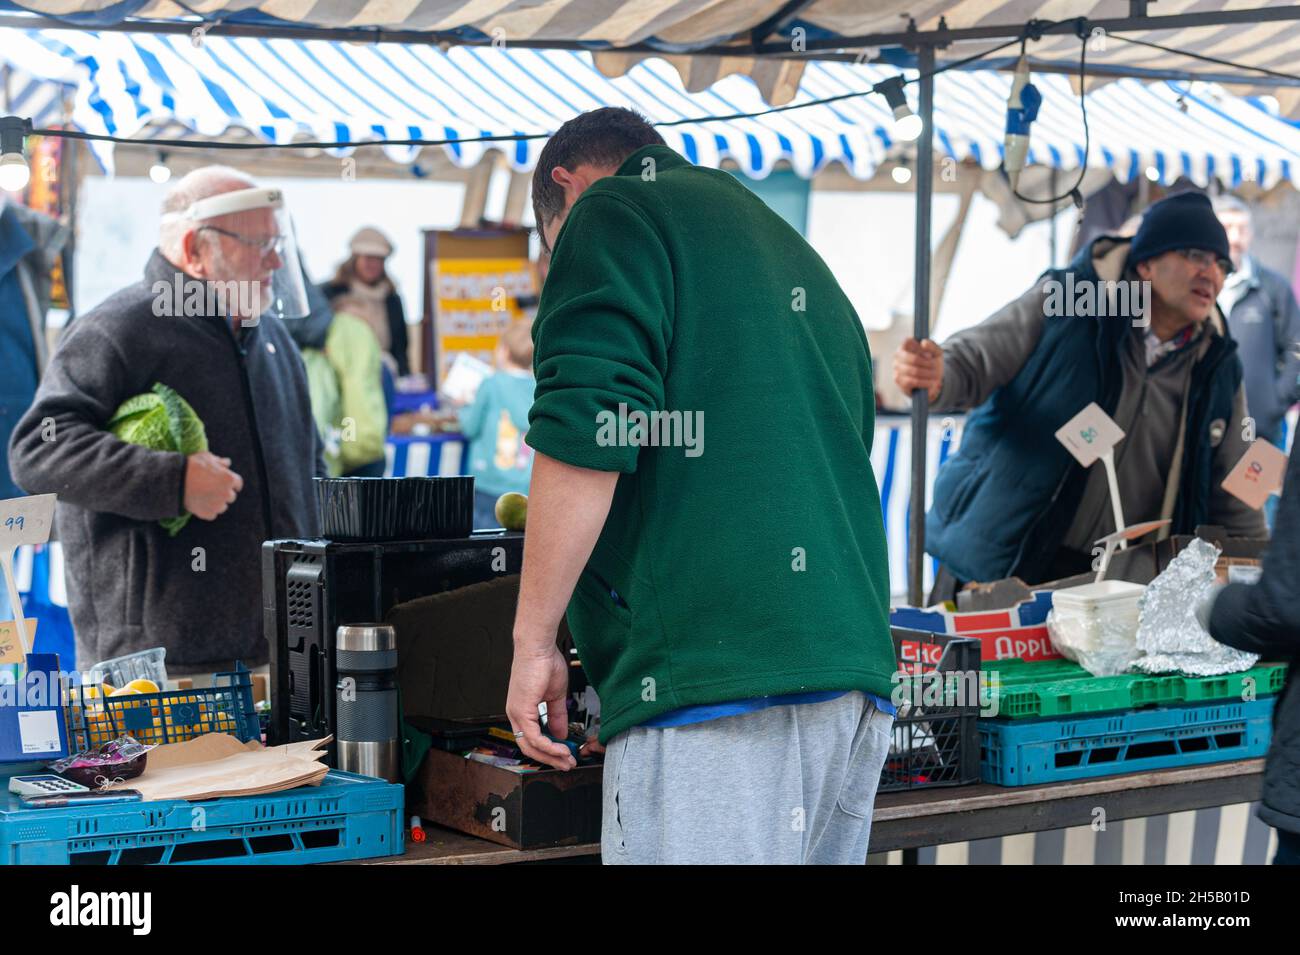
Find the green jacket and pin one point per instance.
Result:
(751, 563)
(345, 383)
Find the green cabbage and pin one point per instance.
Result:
(161, 420)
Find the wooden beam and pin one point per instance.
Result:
(476, 191)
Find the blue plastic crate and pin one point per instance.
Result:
(1030, 752)
(169, 717)
(346, 817)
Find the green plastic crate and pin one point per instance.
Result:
(1054, 688)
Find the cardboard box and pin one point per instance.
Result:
(453, 660)
(1138, 564)
(33, 720)
(521, 810)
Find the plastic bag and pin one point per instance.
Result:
(116, 761)
(1096, 625)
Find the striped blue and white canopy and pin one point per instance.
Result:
(39, 98)
(688, 26)
(278, 91)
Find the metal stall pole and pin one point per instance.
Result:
(921, 326)
(921, 331)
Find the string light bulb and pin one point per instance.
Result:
(907, 125)
(160, 172)
(14, 173)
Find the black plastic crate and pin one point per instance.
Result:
(936, 732)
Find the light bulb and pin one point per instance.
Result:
(908, 127)
(1153, 173)
(14, 174)
(160, 173)
(902, 175)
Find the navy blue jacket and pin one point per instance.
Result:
(1003, 503)
(17, 350)
(30, 245)
(1264, 618)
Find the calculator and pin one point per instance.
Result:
(45, 784)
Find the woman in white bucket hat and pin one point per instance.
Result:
(373, 297)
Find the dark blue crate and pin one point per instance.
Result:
(169, 717)
(1030, 752)
(346, 817)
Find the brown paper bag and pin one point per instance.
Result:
(220, 765)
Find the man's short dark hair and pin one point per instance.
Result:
(601, 137)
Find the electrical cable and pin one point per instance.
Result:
(502, 137)
(1211, 59)
(1073, 193)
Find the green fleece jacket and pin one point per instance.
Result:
(744, 553)
(347, 394)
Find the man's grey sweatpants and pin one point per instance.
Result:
(786, 785)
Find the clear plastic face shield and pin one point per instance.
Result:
(249, 253)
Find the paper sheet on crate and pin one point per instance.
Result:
(220, 765)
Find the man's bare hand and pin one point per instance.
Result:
(919, 365)
(210, 485)
(537, 678)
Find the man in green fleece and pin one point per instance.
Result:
(729, 598)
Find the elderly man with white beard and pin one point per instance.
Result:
(206, 321)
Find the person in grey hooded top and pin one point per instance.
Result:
(1130, 325)
(131, 585)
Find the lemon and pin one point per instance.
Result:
(94, 691)
(512, 510)
(138, 686)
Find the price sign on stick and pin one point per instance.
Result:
(1089, 435)
(23, 520)
(1258, 474)
(11, 651)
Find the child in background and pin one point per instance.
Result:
(495, 423)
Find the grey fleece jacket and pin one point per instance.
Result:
(983, 358)
(130, 585)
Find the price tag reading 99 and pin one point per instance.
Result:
(25, 520)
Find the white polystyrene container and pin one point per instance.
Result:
(1106, 596)
(1096, 624)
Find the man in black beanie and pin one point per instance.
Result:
(1131, 325)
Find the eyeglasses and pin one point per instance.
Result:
(265, 246)
(1203, 259)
